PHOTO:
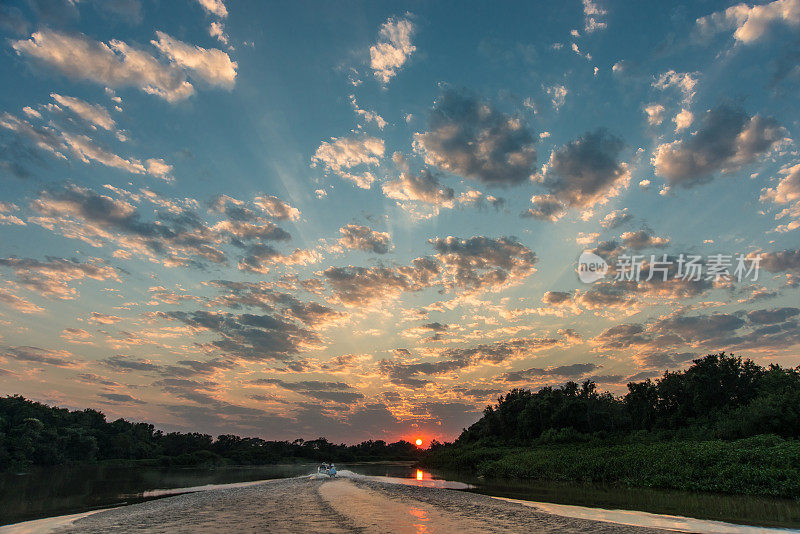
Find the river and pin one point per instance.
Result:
(73, 489)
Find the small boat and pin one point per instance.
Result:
(326, 471)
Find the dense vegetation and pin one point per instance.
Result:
(35, 434)
(723, 424)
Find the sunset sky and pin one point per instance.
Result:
(363, 220)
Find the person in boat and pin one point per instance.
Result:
(322, 468)
(332, 471)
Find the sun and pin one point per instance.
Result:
(419, 442)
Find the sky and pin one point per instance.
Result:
(367, 220)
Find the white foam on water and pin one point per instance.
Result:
(425, 482)
(646, 519)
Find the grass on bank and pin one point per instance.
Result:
(766, 465)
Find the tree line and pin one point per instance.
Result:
(34, 434)
(718, 396)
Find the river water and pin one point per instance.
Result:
(68, 490)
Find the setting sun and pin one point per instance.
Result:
(419, 442)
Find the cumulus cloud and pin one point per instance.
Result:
(727, 140)
(18, 303)
(586, 171)
(782, 261)
(364, 238)
(393, 48)
(340, 155)
(641, 239)
(592, 14)
(685, 82)
(210, 65)
(62, 144)
(214, 7)
(36, 355)
(571, 371)
(364, 286)
(765, 329)
(751, 23)
(470, 138)
(683, 120)
(616, 218)
(177, 235)
(51, 278)
(416, 373)
(277, 208)
(655, 114)
(786, 195)
(558, 95)
(545, 208)
(115, 64)
(250, 337)
(480, 263)
(94, 114)
(423, 187)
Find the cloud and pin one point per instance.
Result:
(260, 295)
(641, 239)
(217, 31)
(480, 263)
(545, 208)
(338, 392)
(616, 218)
(120, 398)
(94, 114)
(6, 214)
(558, 95)
(751, 23)
(727, 140)
(586, 172)
(177, 235)
(782, 261)
(416, 374)
(574, 370)
(102, 318)
(466, 265)
(339, 155)
(51, 278)
(363, 286)
(655, 114)
(214, 7)
(470, 138)
(277, 208)
(124, 364)
(393, 48)
(115, 64)
(364, 238)
(683, 120)
(60, 143)
(210, 65)
(591, 16)
(786, 194)
(36, 355)
(250, 337)
(763, 330)
(685, 82)
(18, 303)
(367, 115)
(423, 187)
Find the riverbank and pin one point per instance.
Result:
(762, 465)
(341, 505)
